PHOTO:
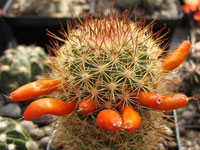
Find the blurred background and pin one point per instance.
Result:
(23, 46)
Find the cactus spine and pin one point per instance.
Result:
(108, 59)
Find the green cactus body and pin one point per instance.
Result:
(108, 59)
(20, 66)
(13, 136)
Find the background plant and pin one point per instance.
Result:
(21, 65)
(14, 137)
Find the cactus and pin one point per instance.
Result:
(21, 65)
(14, 137)
(113, 73)
(108, 59)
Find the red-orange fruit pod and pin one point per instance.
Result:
(130, 118)
(172, 101)
(87, 105)
(147, 99)
(34, 89)
(197, 16)
(187, 8)
(109, 120)
(173, 60)
(48, 106)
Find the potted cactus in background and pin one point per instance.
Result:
(14, 137)
(21, 65)
(109, 86)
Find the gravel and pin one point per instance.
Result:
(190, 140)
(189, 125)
(12, 110)
(189, 115)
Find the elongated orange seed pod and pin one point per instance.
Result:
(147, 99)
(130, 118)
(48, 106)
(176, 57)
(172, 101)
(109, 120)
(164, 103)
(35, 89)
(87, 105)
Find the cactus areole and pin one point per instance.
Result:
(109, 62)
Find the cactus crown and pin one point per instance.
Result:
(109, 58)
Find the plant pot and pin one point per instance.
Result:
(29, 29)
(5, 35)
(32, 19)
(170, 23)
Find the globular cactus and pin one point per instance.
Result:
(113, 73)
(14, 137)
(21, 65)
